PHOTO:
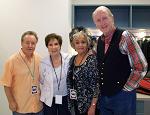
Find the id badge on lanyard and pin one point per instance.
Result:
(34, 89)
(73, 94)
(58, 99)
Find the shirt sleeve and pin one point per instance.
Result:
(7, 75)
(129, 46)
(42, 73)
(93, 72)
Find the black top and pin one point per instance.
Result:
(85, 83)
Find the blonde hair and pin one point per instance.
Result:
(77, 32)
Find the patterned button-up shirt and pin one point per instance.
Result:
(129, 46)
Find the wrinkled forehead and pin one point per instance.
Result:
(102, 13)
(29, 37)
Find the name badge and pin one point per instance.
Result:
(34, 89)
(73, 94)
(58, 99)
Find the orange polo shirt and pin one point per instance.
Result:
(18, 74)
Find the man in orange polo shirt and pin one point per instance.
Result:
(21, 78)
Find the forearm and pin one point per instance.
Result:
(9, 94)
(137, 60)
(92, 108)
(94, 101)
(11, 100)
(134, 79)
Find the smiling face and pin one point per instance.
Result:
(103, 20)
(80, 44)
(54, 47)
(28, 44)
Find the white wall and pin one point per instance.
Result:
(41, 16)
(110, 2)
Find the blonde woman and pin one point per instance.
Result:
(82, 74)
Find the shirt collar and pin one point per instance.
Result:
(109, 37)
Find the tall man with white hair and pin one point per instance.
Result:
(121, 64)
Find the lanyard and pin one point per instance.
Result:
(32, 73)
(58, 80)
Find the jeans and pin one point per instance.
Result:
(123, 103)
(39, 113)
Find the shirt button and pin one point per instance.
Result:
(118, 82)
(102, 68)
(102, 83)
(101, 73)
(101, 78)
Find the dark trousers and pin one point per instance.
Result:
(57, 109)
(123, 103)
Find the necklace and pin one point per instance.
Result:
(80, 60)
